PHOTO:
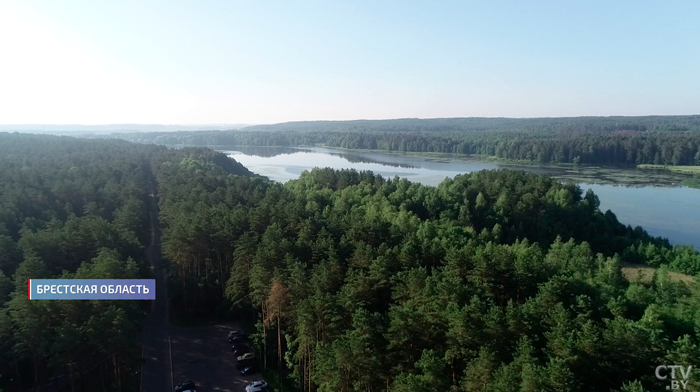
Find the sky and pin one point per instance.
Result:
(256, 62)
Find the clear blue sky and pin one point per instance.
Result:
(189, 62)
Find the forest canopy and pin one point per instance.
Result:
(495, 280)
(346, 281)
(72, 208)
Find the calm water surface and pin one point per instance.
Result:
(653, 200)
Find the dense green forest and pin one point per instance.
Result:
(75, 208)
(663, 140)
(69, 209)
(495, 280)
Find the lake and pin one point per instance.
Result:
(652, 199)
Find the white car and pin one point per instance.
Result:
(246, 356)
(258, 386)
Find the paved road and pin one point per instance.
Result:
(173, 354)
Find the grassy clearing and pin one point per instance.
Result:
(677, 169)
(645, 274)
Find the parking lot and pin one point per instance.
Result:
(203, 355)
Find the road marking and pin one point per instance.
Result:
(172, 382)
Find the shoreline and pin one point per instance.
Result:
(628, 176)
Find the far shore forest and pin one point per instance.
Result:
(653, 140)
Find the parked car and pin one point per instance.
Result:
(246, 356)
(234, 332)
(245, 362)
(185, 386)
(236, 339)
(257, 386)
(252, 369)
(240, 349)
(250, 362)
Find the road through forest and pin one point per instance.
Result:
(156, 373)
(174, 354)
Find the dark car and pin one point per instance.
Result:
(240, 365)
(252, 369)
(236, 339)
(185, 386)
(239, 350)
(235, 333)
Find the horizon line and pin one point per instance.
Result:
(345, 120)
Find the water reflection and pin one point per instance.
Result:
(266, 152)
(269, 152)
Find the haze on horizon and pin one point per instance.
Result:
(244, 62)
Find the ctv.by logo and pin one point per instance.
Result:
(675, 384)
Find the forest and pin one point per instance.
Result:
(76, 208)
(660, 140)
(492, 281)
(69, 209)
(346, 281)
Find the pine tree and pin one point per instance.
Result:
(478, 375)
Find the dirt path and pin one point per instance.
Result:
(157, 372)
(173, 354)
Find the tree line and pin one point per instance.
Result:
(625, 149)
(567, 124)
(662, 140)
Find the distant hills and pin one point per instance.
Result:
(461, 124)
(76, 129)
(457, 124)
